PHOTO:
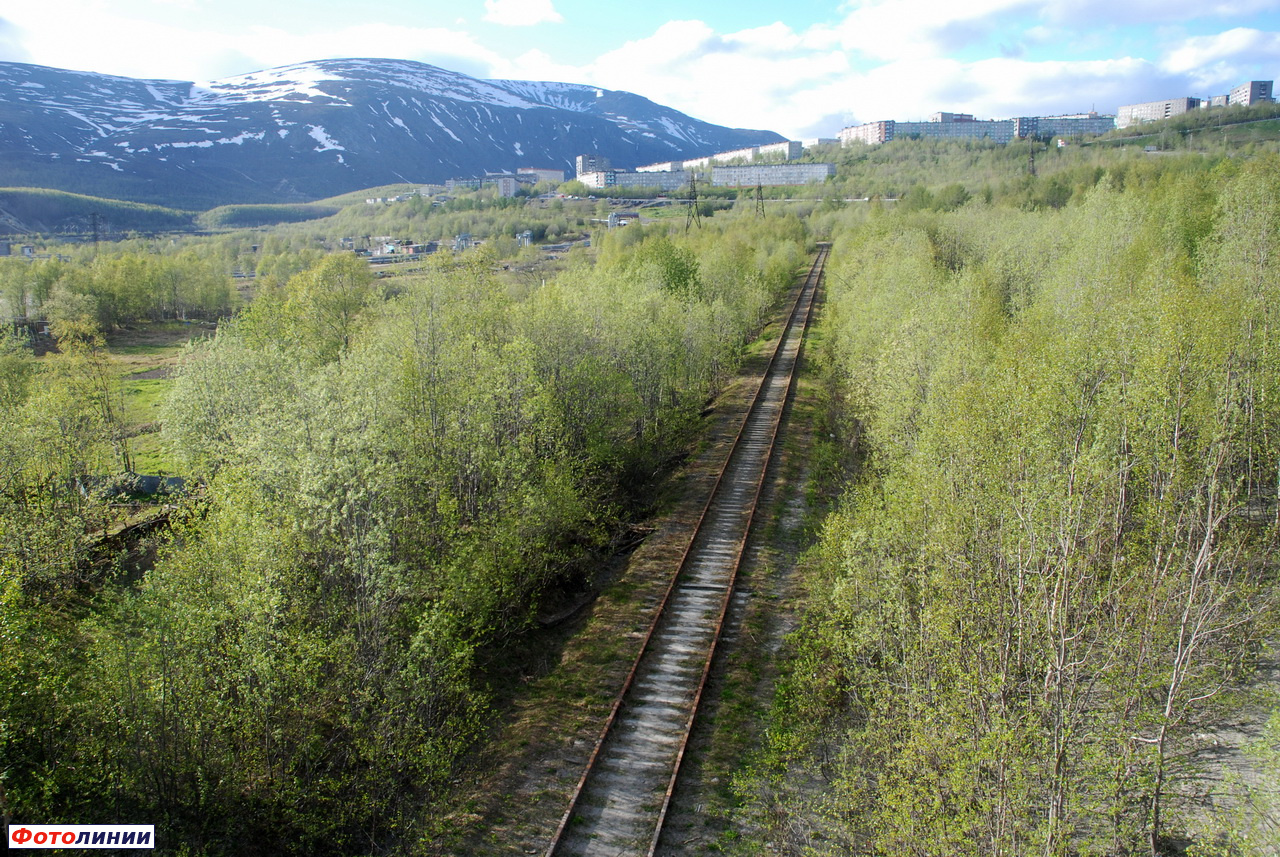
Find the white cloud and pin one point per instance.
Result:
(791, 82)
(1223, 59)
(536, 64)
(11, 47)
(521, 13)
(761, 78)
(96, 39)
(900, 29)
(1000, 88)
(1098, 13)
(452, 49)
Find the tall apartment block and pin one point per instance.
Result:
(771, 174)
(1150, 111)
(541, 174)
(591, 164)
(1253, 92)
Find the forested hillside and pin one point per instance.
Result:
(1053, 561)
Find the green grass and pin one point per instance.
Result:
(142, 350)
(150, 456)
(143, 397)
(142, 400)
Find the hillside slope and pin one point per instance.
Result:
(318, 129)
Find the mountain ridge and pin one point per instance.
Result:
(316, 129)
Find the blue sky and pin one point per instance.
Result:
(800, 67)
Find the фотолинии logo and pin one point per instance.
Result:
(82, 836)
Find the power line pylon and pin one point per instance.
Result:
(694, 217)
(759, 200)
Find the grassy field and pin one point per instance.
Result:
(145, 357)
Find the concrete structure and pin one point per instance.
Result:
(1068, 125)
(670, 180)
(664, 167)
(819, 141)
(771, 174)
(539, 174)
(1151, 111)
(506, 185)
(962, 126)
(450, 185)
(953, 126)
(746, 154)
(591, 164)
(870, 133)
(1253, 92)
(995, 130)
(789, 150)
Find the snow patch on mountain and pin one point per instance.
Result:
(436, 119)
(242, 126)
(241, 137)
(290, 83)
(317, 133)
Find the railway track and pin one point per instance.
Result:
(621, 802)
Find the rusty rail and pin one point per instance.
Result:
(797, 322)
(807, 295)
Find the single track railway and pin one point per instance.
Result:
(621, 801)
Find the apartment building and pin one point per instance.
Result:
(771, 174)
(1253, 92)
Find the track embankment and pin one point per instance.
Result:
(564, 705)
(625, 792)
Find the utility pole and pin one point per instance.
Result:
(695, 216)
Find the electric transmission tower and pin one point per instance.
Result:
(694, 217)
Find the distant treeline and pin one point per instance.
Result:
(250, 216)
(116, 288)
(59, 212)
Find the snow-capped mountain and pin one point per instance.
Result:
(317, 129)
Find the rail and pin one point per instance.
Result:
(612, 810)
